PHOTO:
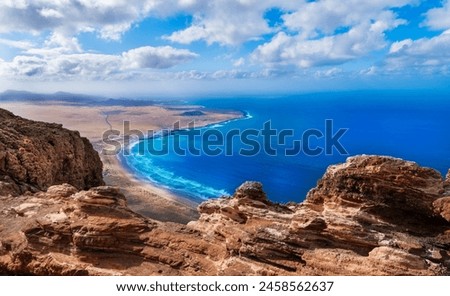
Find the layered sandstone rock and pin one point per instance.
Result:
(337, 230)
(369, 216)
(372, 215)
(36, 155)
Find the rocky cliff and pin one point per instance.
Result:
(36, 155)
(369, 216)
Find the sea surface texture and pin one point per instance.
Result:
(412, 126)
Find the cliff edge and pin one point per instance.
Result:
(36, 155)
(371, 215)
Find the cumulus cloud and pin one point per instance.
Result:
(156, 57)
(239, 62)
(61, 56)
(372, 70)
(325, 17)
(285, 50)
(399, 46)
(224, 22)
(329, 73)
(68, 44)
(304, 34)
(425, 54)
(439, 18)
(227, 22)
(50, 13)
(48, 65)
(109, 18)
(21, 44)
(23, 66)
(330, 33)
(221, 21)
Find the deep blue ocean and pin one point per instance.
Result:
(409, 125)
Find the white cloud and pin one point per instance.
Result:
(232, 74)
(57, 44)
(57, 65)
(61, 55)
(284, 50)
(439, 18)
(90, 66)
(110, 18)
(227, 22)
(156, 57)
(330, 33)
(312, 19)
(400, 45)
(21, 44)
(50, 13)
(187, 75)
(372, 70)
(239, 62)
(428, 55)
(24, 66)
(69, 44)
(222, 21)
(329, 73)
(321, 33)
(114, 31)
(15, 3)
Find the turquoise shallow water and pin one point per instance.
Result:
(413, 126)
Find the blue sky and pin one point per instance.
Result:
(223, 47)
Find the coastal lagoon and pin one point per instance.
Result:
(409, 125)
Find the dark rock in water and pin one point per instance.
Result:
(193, 113)
(36, 155)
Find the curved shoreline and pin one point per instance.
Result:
(147, 180)
(167, 132)
(147, 198)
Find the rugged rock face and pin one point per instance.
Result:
(341, 228)
(372, 215)
(36, 155)
(393, 190)
(369, 216)
(447, 183)
(442, 205)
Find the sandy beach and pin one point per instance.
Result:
(92, 122)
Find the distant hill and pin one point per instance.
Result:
(71, 99)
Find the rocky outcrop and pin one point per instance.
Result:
(343, 228)
(372, 215)
(442, 205)
(396, 191)
(36, 155)
(447, 183)
(369, 216)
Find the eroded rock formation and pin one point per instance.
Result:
(36, 155)
(447, 183)
(369, 216)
